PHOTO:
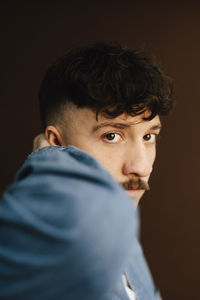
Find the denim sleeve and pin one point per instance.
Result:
(65, 227)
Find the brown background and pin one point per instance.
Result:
(34, 33)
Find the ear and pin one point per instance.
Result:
(53, 136)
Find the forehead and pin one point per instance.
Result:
(86, 118)
(127, 121)
(130, 124)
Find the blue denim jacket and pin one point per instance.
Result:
(68, 231)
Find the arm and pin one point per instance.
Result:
(65, 227)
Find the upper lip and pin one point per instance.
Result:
(135, 184)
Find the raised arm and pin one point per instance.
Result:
(65, 227)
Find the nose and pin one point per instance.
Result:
(139, 161)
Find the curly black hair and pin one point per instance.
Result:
(106, 78)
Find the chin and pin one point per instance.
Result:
(135, 194)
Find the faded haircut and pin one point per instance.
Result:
(107, 78)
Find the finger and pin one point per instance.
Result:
(40, 141)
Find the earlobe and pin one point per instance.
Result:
(53, 136)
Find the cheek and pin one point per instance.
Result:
(111, 165)
(151, 159)
(152, 155)
(108, 156)
(110, 161)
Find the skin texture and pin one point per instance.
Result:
(125, 145)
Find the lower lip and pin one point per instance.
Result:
(133, 193)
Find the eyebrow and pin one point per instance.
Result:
(124, 126)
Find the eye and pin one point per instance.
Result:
(150, 137)
(112, 137)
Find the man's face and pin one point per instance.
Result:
(125, 145)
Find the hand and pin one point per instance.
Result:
(40, 141)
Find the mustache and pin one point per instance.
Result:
(135, 184)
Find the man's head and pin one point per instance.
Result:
(106, 100)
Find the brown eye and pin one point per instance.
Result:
(150, 137)
(147, 137)
(112, 137)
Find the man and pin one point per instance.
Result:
(107, 100)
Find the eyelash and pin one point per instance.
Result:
(111, 141)
(151, 134)
(112, 133)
